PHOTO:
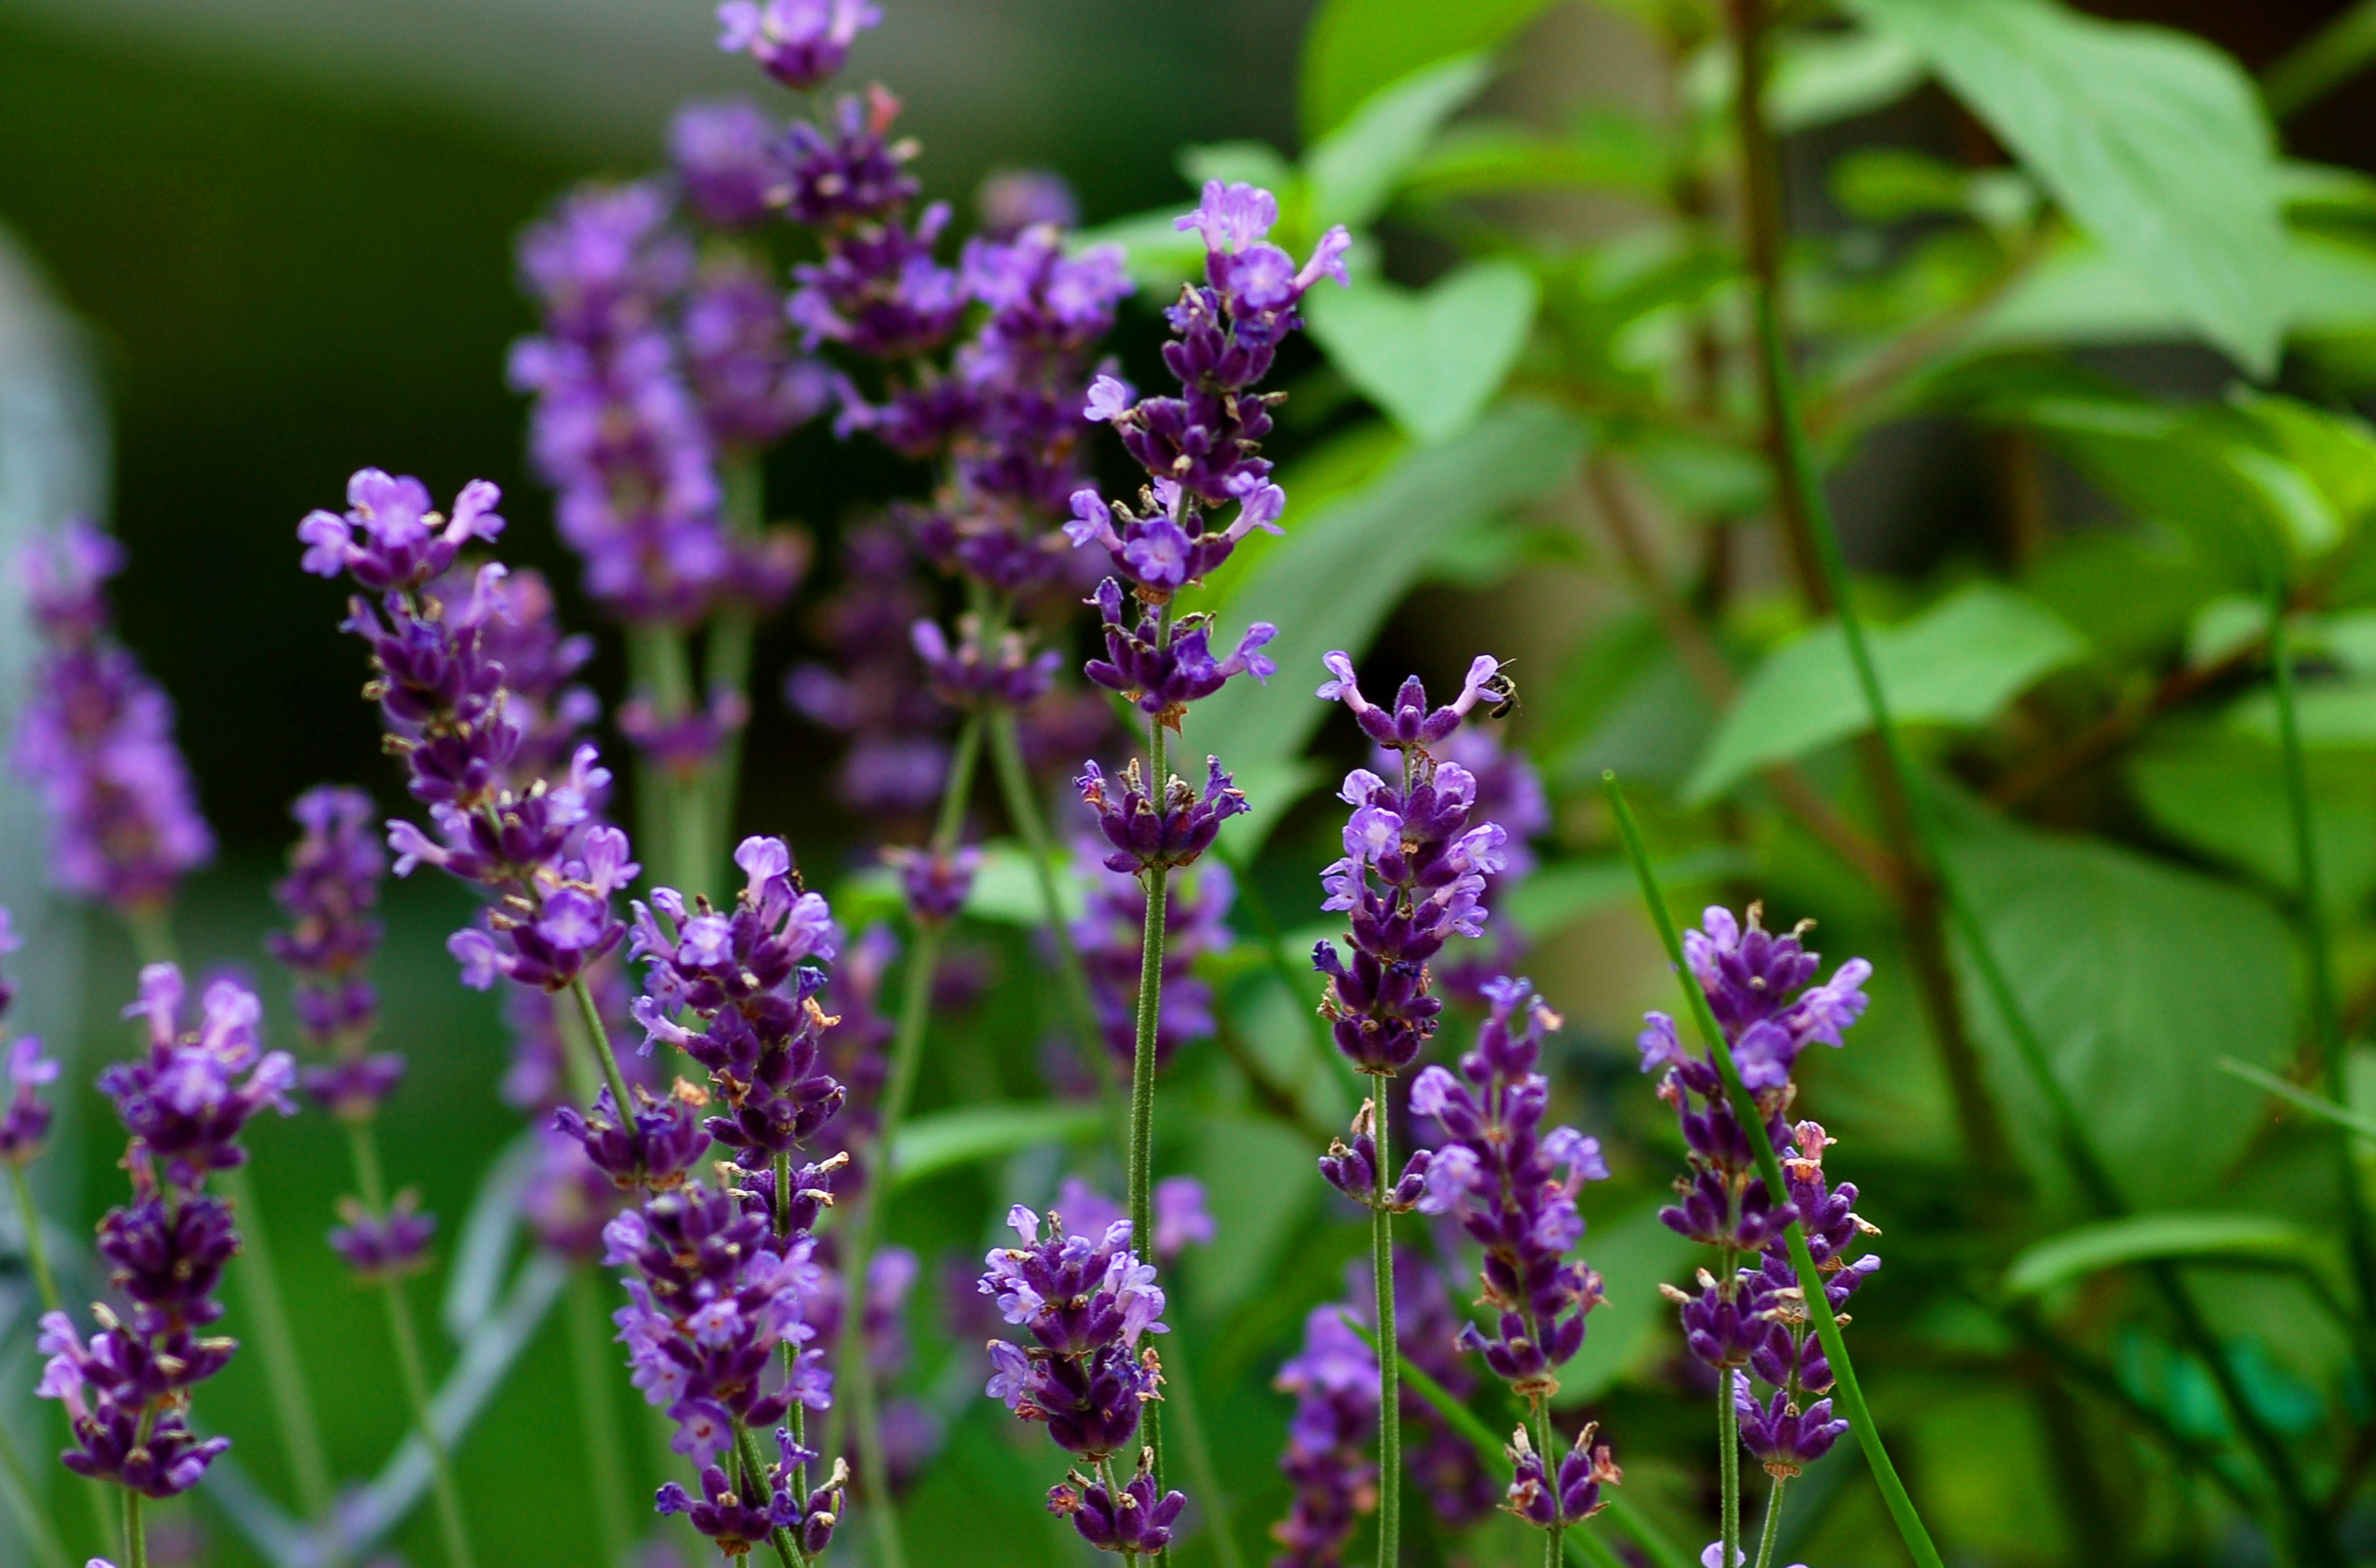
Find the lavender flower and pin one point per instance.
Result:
(1180, 1216)
(972, 676)
(26, 1121)
(798, 43)
(896, 760)
(1753, 1322)
(1085, 1302)
(1509, 791)
(329, 895)
(1129, 1518)
(385, 1246)
(1008, 201)
(752, 388)
(935, 884)
(725, 160)
(739, 1514)
(127, 1391)
(1174, 834)
(97, 738)
(1327, 1460)
(1109, 935)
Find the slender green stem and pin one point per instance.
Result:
(31, 1519)
(293, 1403)
(791, 1352)
(1848, 1393)
(598, 1417)
(598, 1036)
(37, 1252)
(416, 1389)
(1390, 1401)
(1180, 1394)
(1773, 1524)
(756, 1474)
(1727, 1462)
(2324, 1028)
(1023, 809)
(136, 1532)
(1551, 1538)
(2322, 62)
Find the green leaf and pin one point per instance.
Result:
(1433, 359)
(2294, 1094)
(1608, 149)
(1258, 1186)
(2138, 977)
(1007, 890)
(930, 1145)
(1331, 581)
(2223, 793)
(1354, 170)
(1635, 1254)
(2148, 1237)
(1559, 894)
(1957, 662)
(2153, 141)
(1823, 78)
(1355, 47)
(2335, 452)
(1253, 162)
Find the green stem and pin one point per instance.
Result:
(791, 1352)
(1023, 809)
(598, 1036)
(1847, 1391)
(1551, 1538)
(1180, 1394)
(31, 1517)
(1390, 1405)
(2321, 62)
(787, 1549)
(37, 1252)
(598, 1417)
(2324, 1028)
(1727, 1462)
(1773, 1524)
(293, 1404)
(136, 1532)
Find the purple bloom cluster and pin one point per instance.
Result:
(538, 848)
(385, 1246)
(97, 737)
(739, 1510)
(1413, 876)
(1085, 1302)
(1760, 986)
(1512, 1185)
(24, 1119)
(798, 43)
(745, 977)
(330, 894)
(879, 696)
(127, 1391)
(1112, 932)
(1509, 791)
(1146, 833)
(752, 388)
(726, 160)
(1178, 1213)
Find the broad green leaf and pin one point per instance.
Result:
(2149, 1238)
(1559, 894)
(2154, 142)
(1354, 47)
(1354, 170)
(1341, 567)
(1823, 78)
(2079, 293)
(1635, 1254)
(2138, 978)
(944, 1140)
(1957, 662)
(1257, 1184)
(1158, 256)
(2333, 715)
(1430, 359)
(2335, 453)
(1608, 150)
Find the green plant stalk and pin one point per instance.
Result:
(1554, 1537)
(362, 1146)
(136, 1532)
(787, 1549)
(2324, 1028)
(598, 1035)
(1728, 1457)
(907, 1056)
(1153, 934)
(300, 1435)
(1773, 1524)
(1182, 1397)
(45, 1282)
(1660, 1551)
(1390, 1399)
(598, 1418)
(18, 1482)
(686, 801)
(792, 1354)
(1847, 1391)
(1023, 808)
(2322, 62)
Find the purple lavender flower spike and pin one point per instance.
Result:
(847, 172)
(25, 1120)
(725, 160)
(185, 1099)
(1008, 201)
(1328, 1458)
(1512, 1185)
(1131, 1518)
(878, 696)
(970, 676)
(1409, 725)
(329, 895)
(879, 293)
(798, 43)
(1352, 1167)
(390, 537)
(1161, 670)
(936, 886)
(684, 745)
(387, 1246)
(741, 1512)
(665, 1143)
(753, 389)
(1087, 1303)
(1569, 1496)
(96, 738)
(1145, 835)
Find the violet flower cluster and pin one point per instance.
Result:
(24, 1119)
(1511, 1184)
(184, 1101)
(537, 849)
(96, 738)
(1111, 930)
(1085, 1302)
(875, 692)
(1761, 987)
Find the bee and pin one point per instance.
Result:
(1503, 692)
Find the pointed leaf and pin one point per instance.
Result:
(1354, 172)
(1431, 358)
(1355, 47)
(2147, 1237)
(930, 1145)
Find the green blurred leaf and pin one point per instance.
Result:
(1608, 149)
(2138, 977)
(1331, 581)
(1354, 170)
(2145, 1237)
(1431, 358)
(1355, 47)
(2335, 453)
(2223, 793)
(1957, 662)
(1253, 163)
(1823, 78)
(1559, 894)
(2153, 141)
(1006, 888)
(1635, 1254)
(1258, 1187)
(946, 1139)
(1157, 256)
